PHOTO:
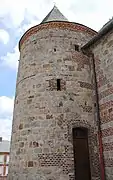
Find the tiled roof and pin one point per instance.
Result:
(54, 15)
(4, 146)
(102, 32)
(106, 25)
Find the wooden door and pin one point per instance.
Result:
(81, 154)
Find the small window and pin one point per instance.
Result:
(35, 41)
(58, 85)
(76, 47)
(95, 104)
(54, 49)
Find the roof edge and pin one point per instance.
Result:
(100, 34)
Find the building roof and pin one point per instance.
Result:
(103, 31)
(54, 15)
(4, 146)
(106, 25)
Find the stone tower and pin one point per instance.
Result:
(54, 109)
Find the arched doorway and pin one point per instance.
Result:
(81, 154)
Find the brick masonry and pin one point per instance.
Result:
(60, 25)
(41, 145)
(103, 53)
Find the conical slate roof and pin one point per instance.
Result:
(54, 15)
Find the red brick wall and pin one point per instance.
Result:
(103, 54)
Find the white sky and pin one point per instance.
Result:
(92, 13)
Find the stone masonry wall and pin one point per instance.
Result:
(103, 52)
(41, 146)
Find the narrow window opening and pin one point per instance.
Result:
(76, 47)
(95, 105)
(54, 49)
(58, 85)
(35, 41)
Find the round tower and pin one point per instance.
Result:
(53, 133)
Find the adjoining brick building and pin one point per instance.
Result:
(63, 113)
(4, 158)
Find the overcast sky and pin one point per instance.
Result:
(16, 16)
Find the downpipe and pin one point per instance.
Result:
(102, 166)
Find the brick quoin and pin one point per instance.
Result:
(106, 105)
(106, 93)
(108, 146)
(109, 162)
(107, 132)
